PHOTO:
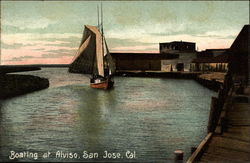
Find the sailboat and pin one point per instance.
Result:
(93, 58)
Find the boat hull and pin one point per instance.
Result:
(107, 84)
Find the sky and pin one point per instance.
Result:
(49, 32)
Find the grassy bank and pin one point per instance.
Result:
(13, 85)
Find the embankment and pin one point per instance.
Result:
(211, 81)
(210, 84)
(13, 85)
(176, 75)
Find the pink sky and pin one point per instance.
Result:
(33, 49)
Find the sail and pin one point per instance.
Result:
(89, 56)
(99, 51)
(108, 59)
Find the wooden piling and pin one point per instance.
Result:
(213, 114)
(223, 124)
(178, 156)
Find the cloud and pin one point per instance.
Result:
(217, 36)
(152, 48)
(59, 53)
(29, 39)
(70, 37)
(20, 58)
(65, 44)
(38, 47)
(220, 34)
(188, 29)
(27, 23)
(130, 45)
(11, 46)
(37, 60)
(151, 30)
(125, 42)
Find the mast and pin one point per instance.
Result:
(94, 58)
(102, 37)
(101, 20)
(98, 17)
(102, 28)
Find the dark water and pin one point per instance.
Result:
(148, 117)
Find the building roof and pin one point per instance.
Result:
(224, 58)
(177, 42)
(241, 43)
(239, 53)
(144, 56)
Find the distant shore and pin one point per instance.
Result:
(20, 68)
(10, 69)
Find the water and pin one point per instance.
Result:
(150, 117)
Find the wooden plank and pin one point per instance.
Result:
(200, 148)
(237, 107)
(242, 105)
(229, 143)
(239, 122)
(239, 136)
(229, 153)
(209, 157)
(239, 114)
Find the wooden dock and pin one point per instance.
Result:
(230, 141)
(234, 144)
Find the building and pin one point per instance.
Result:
(177, 46)
(185, 50)
(217, 64)
(239, 55)
(235, 59)
(211, 60)
(140, 61)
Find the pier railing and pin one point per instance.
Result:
(196, 154)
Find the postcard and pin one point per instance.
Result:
(124, 81)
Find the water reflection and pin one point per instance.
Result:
(91, 111)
